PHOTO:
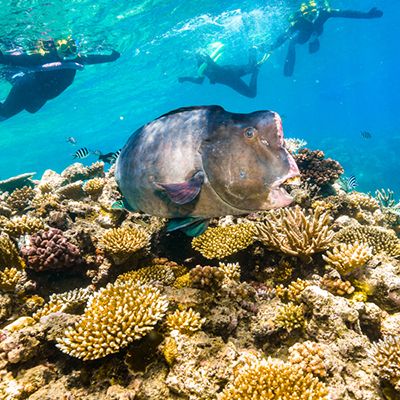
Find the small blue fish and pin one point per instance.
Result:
(366, 134)
(82, 153)
(348, 184)
(72, 140)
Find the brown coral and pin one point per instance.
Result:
(50, 250)
(20, 199)
(273, 379)
(10, 278)
(346, 258)
(380, 240)
(309, 356)
(337, 286)
(115, 316)
(185, 321)
(206, 277)
(293, 232)
(8, 253)
(121, 243)
(223, 241)
(316, 169)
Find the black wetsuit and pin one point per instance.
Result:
(33, 87)
(229, 75)
(302, 30)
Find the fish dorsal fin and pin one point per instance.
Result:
(183, 192)
(183, 109)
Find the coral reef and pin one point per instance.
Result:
(317, 169)
(94, 187)
(20, 199)
(309, 356)
(206, 277)
(289, 317)
(293, 232)
(23, 225)
(50, 250)
(17, 182)
(8, 253)
(185, 321)
(272, 379)
(115, 316)
(223, 241)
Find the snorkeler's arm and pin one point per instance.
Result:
(372, 13)
(198, 79)
(97, 58)
(280, 40)
(24, 60)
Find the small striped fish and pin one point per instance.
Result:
(349, 183)
(82, 153)
(110, 158)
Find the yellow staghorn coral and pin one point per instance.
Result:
(45, 202)
(345, 258)
(363, 201)
(23, 225)
(121, 243)
(309, 356)
(272, 379)
(223, 241)
(291, 231)
(289, 317)
(386, 354)
(114, 316)
(162, 270)
(293, 291)
(231, 272)
(185, 321)
(380, 240)
(10, 278)
(94, 187)
(8, 253)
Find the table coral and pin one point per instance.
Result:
(223, 241)
(317, 169)
(379, 239)
(291, 231)
(346, 258)
(50, 250)
(114, 316)
(272, 379)
(121, 243)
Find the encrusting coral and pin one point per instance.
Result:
(50, 250)
(386, 354)
(309, 356)
(291, 231)
(272, 379)
(122, 242)
(380, 240)
(223, 241)
(316, 169)
(346, 258)
(114, 316)
(185, 321)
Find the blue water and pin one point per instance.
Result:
(351, 85)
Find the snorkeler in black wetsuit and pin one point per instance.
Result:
(229, 75)
(43, 76)
(308, 24)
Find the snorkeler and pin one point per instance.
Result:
(229, 75)
(44, 75)
(308, 24)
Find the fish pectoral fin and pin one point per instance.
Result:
(184, 192)
(191, 226)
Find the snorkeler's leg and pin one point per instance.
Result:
(313, 45)
(13, 104)
(290, 59)
(198, 79)
(242, 88)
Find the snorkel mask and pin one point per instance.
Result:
(310, 10)
(67, 48)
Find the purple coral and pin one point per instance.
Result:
(50, 250)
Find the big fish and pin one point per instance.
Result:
(203, 162)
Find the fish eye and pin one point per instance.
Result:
(249, 132)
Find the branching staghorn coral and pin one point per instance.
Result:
(122, 242)
(346, 258)
(291, 231)
(20, 199)
(162, 270)
(272, 379)
(23, 225)
(8, 253)
(114, 316)
(289, 317)
(65, 302)
(45, 202)
(385, 198)
(309, 356)
(185, 322)
(231, 272)
(293, 291)
(386, 354)
(223, 241)
(380, 240)
(10, 278)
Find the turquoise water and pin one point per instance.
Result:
(351, 85)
